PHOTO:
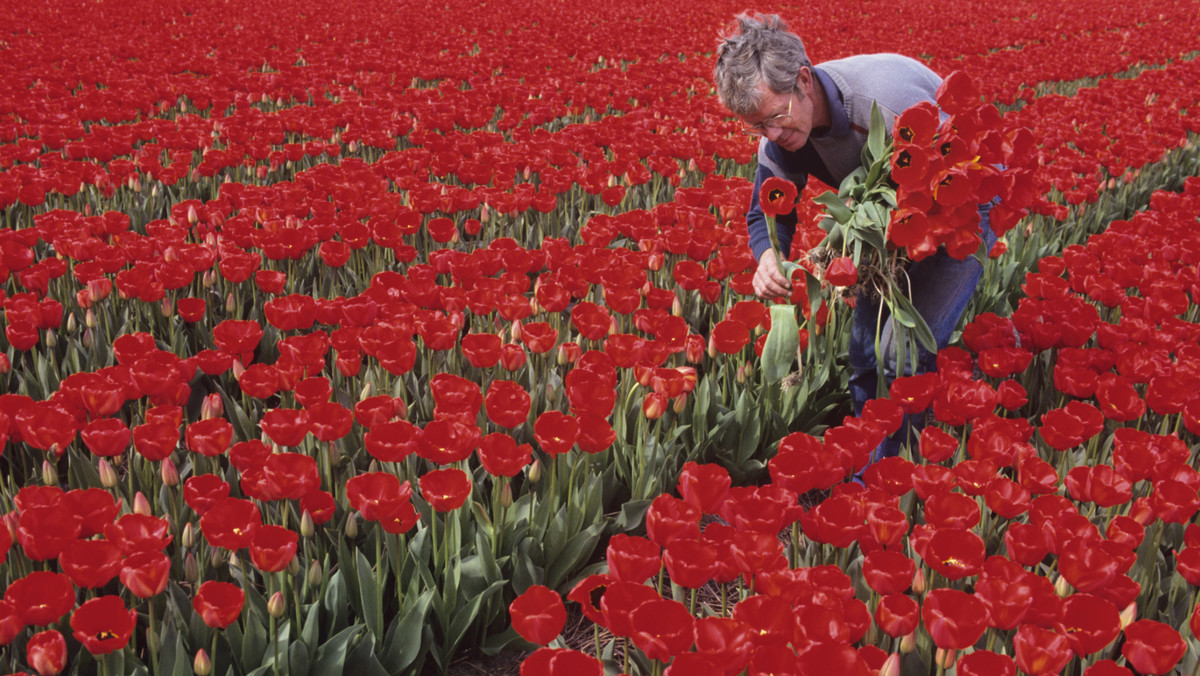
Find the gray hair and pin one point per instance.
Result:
(762, 50)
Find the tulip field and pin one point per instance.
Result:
(389, 338)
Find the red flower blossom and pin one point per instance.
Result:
(538, 615)
(145, 574)
(46, 652)
(103, 625)
(954, 619)
(507, 403)
(1152, 647)
(218, 603)
(445, 489)
(230, 523)
(777, 196)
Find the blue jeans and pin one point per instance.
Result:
(941, 289)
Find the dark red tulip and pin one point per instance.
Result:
(446, 441)
(952, 511)
(44, 532)
(727, 643)
(285, 426)
(669, 518)
(237, 336)
(538, 615)
(155, 441)
(392, 440)
(777, 196)
(106, 437)
(1089, 623)
(218, 603)
(290, 476)
(705, 487)
(139, 532)
(556, 432)
(482, 350)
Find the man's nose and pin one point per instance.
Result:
(772, 133)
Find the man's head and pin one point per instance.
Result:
(764, 77)
(762, 54)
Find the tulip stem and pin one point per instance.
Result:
(151, 644)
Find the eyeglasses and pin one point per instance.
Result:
(773, 122)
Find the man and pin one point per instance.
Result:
(813, 121)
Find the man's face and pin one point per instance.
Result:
(786, 119)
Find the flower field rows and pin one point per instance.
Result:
(349, 339)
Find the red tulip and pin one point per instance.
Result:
(91, 563)
(209, 437)
(377, 495)
(1089, 623)
(202, 491)
(103, 625)
(139, 532)
(897, 615)
(1040, 651)
(41, 597)
(106, 437)
(230, 523)
(1153, 647)
(690, 563)
(662, 629)
(955, 620)
(633, 559)
(145, 574)
(46, 652)
(501, 456)
(11, 623)
(842, 272)
(445, 489)
(538, 615)
(985, 663)
(218, 603)
(777, 196)
(507, 403)
(556, 432)
(285, 426)
(888, 572)
(391, 440)
(704, 487)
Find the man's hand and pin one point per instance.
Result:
(768, 282)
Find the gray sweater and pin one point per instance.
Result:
(895, 82)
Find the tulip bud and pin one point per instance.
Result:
(676, 307)
(514, 332)
(946, 658)
(276, 605)
(169, 473)
(351, 527)
(367, 390)
(293, 568)
(1062, 587)
(215, 557)
(141, 505)
(569, 353)
(679, 404)
(654, 405)
(201, 666)
(743, 372)
(51, 339)
(188, 537)
(908, 643)
(86, 340)
(5, 364)
(230, 304)
(712, 346)
(108, 475)
(535, 471)
(191, 569)
(506, 496)
(314, 573)
(167, 307)
(237, 369)
(919, 583)
(49, 473)
(89, 318)
(480, 513)
(71, 323)
(209, 279)
(891, 666)
(235, 561)
(1128, 615)
(307, 527)
(212, 406)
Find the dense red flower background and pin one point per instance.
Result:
(337, 335)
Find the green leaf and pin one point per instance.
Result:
(403, 645)
(362, 660)
(632, 516)
(904, 312)
(331, 655)
(834, 206)
(465, 617)
(813, 286)
(877, 136)
(372, 602)
(779, 351)
(577, 549)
